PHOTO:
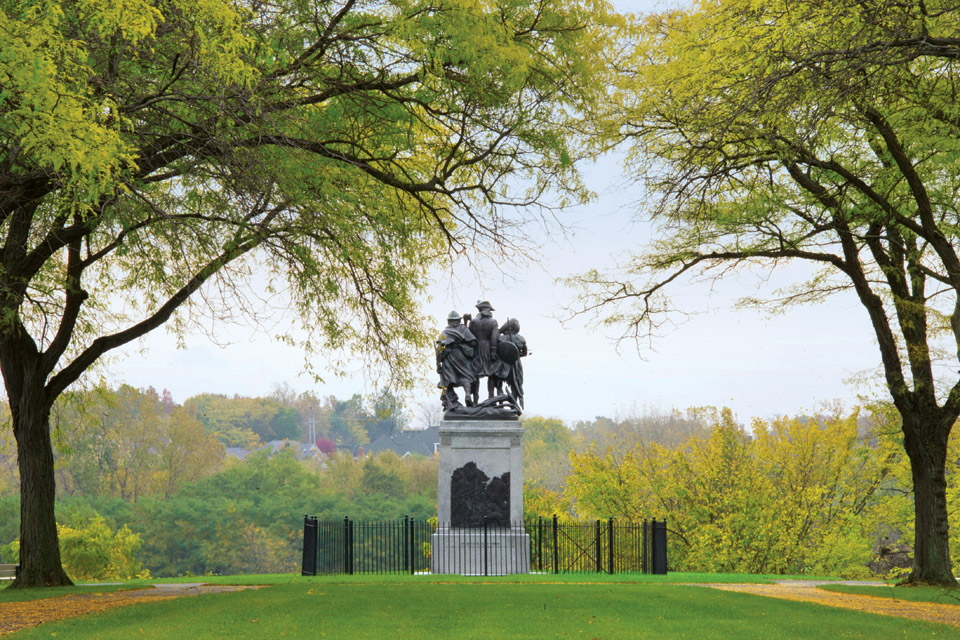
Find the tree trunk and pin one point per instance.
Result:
(927, 450)
(39, 545)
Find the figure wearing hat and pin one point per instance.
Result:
(456, 350)
(485, 328)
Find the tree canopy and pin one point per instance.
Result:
(826, 133)
(338, 147)
(156, 154)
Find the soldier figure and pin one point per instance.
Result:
(485, 363)
(512, 347)
(456, 351)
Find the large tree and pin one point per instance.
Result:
(154, 154)
(823, 133)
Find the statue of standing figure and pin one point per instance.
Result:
(486, 362)
(511, 347)
(456, 350)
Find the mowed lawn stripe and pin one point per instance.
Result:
(455, 611)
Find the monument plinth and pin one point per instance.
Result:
(480, 499)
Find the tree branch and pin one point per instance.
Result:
(69, 374)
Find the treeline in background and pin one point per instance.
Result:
(146, 486)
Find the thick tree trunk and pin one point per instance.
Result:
(39, 545)
(30, 409)
(927, 450)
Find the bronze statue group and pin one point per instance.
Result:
(472, 348)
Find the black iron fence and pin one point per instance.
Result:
(348, 546)
(540, 545)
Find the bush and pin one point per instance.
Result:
(91, 550)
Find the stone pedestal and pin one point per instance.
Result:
(479, 551)
(480, 499)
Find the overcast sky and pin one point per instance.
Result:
(759, 366)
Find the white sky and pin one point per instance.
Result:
(758, 366)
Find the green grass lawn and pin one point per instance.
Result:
(914, 594)
(18, 595)
(482, 608)
(395, 578)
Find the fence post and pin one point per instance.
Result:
(556, 546)
(404, 544)
(610, 543)
(540, 543)
(643, 558)
(596, 544)
(660, 547)
(309, 565)
(348, 546)
(412, 541)
(485, 545)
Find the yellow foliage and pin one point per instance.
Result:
(545, 503)
(94, 552)
(795, 496)
(91, 550)
(131, 19)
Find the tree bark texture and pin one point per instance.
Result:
(39, 544)
(927, 451)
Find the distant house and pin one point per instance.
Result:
(277, 445)
(309, 450)
(300, 450)
(422, 442)
(238, 452)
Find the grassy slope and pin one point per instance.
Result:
(937, 595)
(378, 609)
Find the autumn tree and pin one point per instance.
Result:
(243, 421)
(188, 453)
(312, 412)
(135, 427)
(648, 424)
(156, 153)
(791, 496)
(547, 444)
(821, 133)
(381, 474)
(387, 415)
(124, 443)
(106, 441)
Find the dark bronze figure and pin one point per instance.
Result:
(456, 350)
(464, 356)
(484, 328)
(511, 347)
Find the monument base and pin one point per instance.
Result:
(490, 551)
(494, 447)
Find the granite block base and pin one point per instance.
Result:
(496, 551)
